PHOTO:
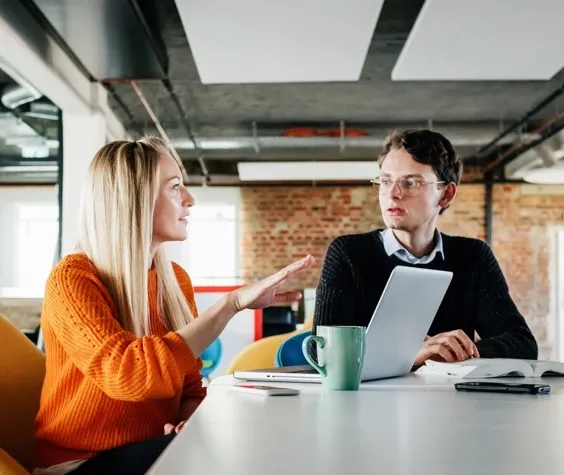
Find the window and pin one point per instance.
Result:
(556, 318)
(212, 245)
(36, 246)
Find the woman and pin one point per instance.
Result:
(122, 341)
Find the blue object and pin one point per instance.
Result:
(211, 358)
(290, 352)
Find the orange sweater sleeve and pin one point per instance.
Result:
(78, 309)
(192, 388)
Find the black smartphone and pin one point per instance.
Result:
(519, 388)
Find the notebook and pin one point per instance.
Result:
(493, 368)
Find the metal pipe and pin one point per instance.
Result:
(111, 90)
(14, 96)
(187, 126)
(158, 125)
(40, 131)
(251, 142)
(534, 139)
(546, 155)
(541, 105)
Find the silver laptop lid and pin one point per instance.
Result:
(401, 320)
(396, 331)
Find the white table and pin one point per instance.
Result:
(412, 425)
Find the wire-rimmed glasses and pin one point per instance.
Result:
(408, 186)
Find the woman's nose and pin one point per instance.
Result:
(188, 199)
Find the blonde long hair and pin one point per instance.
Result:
(116, 229)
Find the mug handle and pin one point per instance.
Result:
(305, 349)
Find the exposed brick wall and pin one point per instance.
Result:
(280, 224)
(466, 216)
(523, 228)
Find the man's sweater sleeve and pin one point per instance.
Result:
(335, 299)
(503, 330)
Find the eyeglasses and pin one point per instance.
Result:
(408, 186)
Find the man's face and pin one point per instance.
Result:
(409, 194)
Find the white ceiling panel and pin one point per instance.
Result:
(265, 41)
(484, 40)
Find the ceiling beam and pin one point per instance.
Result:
(44, 65)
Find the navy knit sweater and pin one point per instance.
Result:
(356, 269)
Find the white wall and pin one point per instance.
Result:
(206, 194)
(179, 251)
(10, 198)
(82, 138)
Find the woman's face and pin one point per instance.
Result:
(173, 204)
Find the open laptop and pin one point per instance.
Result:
(394, 335)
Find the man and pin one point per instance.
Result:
(419, 177)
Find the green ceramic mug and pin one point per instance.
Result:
(340, 355)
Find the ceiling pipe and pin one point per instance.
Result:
(539, 135)
(468, 135)
(26, 102)
(158, 125)
(542, 155)
(112, 92)
(483, 151)
(18, 101)
(257, 143)
(546, 155)
(37, 128)
(40, 110)
(14, 96)
(187, 127)
(524, 162)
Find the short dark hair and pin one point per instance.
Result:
(429, 148)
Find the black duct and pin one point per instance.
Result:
(112, 39)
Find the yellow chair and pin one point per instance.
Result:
(22, 370)
(262, 353)
(8, 466)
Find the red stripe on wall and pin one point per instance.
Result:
(225, 289)
(258, 324)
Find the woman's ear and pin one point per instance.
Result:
(449, 193)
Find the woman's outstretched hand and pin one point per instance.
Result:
(200, 333)
(265, 292)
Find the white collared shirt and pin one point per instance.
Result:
(393, 247)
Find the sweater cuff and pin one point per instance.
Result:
(488, 348)
(183, 355)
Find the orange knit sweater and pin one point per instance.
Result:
(103, 386)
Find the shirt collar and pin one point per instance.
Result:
(393, 246)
